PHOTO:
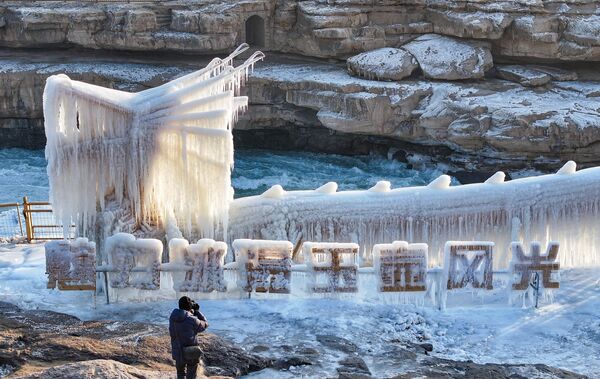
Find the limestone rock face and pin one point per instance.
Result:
(447, 58)
(383, 64)
(555, 31)
(494, 120)
(319, 106)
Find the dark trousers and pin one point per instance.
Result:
(191, 367)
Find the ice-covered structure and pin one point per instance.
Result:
(156, 159)
(564, 207)
(264, 266)
(468, 264)
(206, 259)
(522, 265)
(332, 267)
(134, 263)
(71, 265)
(400, 266)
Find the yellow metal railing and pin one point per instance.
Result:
(35, 222)
(8, 213)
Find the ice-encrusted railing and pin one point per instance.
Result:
(400, 273)
(564, 206)
(166, 153)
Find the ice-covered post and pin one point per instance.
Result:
(264, 266)
(401, 267)
(205, 258)
(523, 267)
(333, 267)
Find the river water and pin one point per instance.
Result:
(23, 172)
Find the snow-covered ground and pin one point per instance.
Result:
(565, 333)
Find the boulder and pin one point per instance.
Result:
(98, 369)
(383, 64)
(523, 75)
(557, 73)
(448, 58)
(480, 25)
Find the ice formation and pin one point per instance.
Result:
(166, 152)
(399, 273)
(199, 266)
(400, 266)
(524, 266)
(134, 263)
(71, 264)
(564, 207)
(264, 266)
(468, 263)
(332, 267)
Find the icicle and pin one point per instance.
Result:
(167, 152)
(565, 208)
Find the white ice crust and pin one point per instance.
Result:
(564, 207)
(166, 151)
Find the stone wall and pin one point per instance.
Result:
(550, 30)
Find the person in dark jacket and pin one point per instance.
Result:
(184, 325)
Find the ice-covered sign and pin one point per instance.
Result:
(71, 264)
(401, 267)
(332, 267)
(165, 154)
(205, 258)
(134, 263)
(264, 266)
(523, 266)
(468, 263)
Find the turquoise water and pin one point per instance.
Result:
(23, 172)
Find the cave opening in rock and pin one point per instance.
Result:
(255, 31)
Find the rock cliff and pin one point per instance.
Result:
(478, 82)
(554, 30)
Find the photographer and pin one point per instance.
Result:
(184, 325)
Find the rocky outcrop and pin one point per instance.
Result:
(383, 64)
(561, 30)
(46, 344)
(31, 341)
(495, 120)
(98, 369)
(528, 77)
(449, 59)
(300, 104)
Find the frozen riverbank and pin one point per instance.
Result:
(564, 334)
